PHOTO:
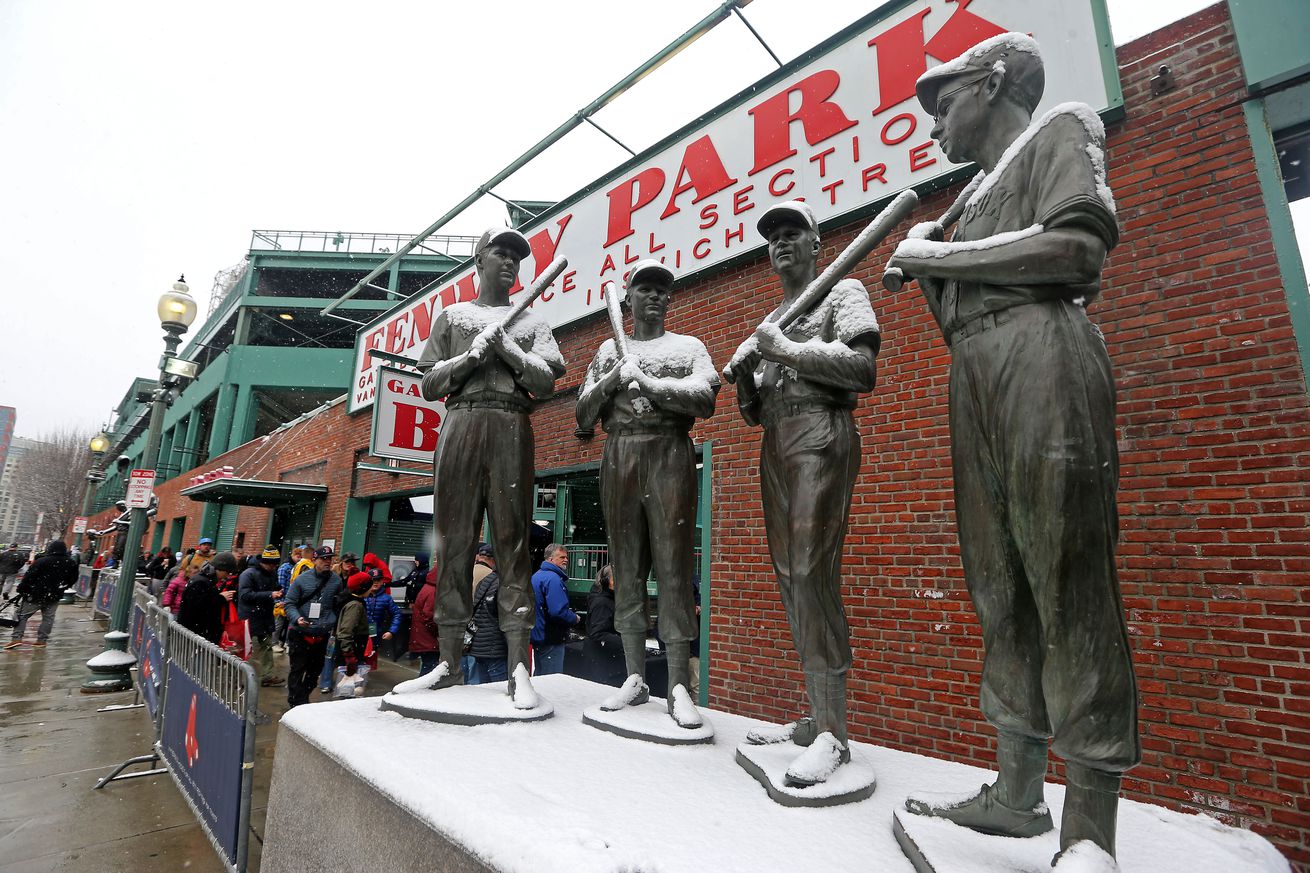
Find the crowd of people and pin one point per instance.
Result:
(329, 613)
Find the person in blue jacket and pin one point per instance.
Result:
(554, 617)
(383, 617)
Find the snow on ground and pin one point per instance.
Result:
(558, 796)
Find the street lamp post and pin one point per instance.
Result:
(99, 443)
(110, 668)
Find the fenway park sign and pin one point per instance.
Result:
(839, 127)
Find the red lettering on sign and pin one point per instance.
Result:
(627, 198)
(543, 247)
(702, 170)
(701, 249)
(371, 342)
(741, 201)
(919, 157)
(566, 281)
(903, 53)
(729, 233)
(416, 428)
(773, 183)
(423, 314)
(873, 173)
(709, 216)
(654, 247)
(894, 139)
(822, 160)
(820, 118)
(395, 333)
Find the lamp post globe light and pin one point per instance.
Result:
(110, 669)
(99, 443)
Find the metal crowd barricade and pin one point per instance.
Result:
(85, 580)
(142, 599)
(200, 698)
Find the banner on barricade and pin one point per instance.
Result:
(203, 744)
(150, 676)
(138, 629)
(83, 587)
(104, 598)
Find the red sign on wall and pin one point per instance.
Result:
(405, 426)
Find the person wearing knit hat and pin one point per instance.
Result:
(257, 591)
(352, 623)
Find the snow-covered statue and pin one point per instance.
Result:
(1032, 438)
(491, 362)
(802, 385)
(648, 390)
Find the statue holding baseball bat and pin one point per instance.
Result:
(648, 391)
(1032, 411)
(800, 375)
(490, 361)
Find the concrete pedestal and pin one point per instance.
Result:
(356, 788)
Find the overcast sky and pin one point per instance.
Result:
(142, 140)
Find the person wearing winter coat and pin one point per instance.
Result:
(41, 589)
(554, 617)
(171, 599)
(383, 614)
(416, 579)
(352, 621)
(160, 569)
(257, 591)
(311, 615)
(423, 628)
(489, 649)
(604, 644)
(206, 598)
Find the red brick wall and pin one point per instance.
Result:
(1214, 429)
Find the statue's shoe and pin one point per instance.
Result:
(818, 762)
(801, 732)
(521, 690)
(986, 814)
(633, 692)
(439, 678)
(1085, 855)
(683, 712)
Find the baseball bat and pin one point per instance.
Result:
(894, 278)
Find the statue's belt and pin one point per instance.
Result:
(984, 322)
(674, 430)
(778, 409)
(507, 405)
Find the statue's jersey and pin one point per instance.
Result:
(1052, 176)
(453, 334)
(843, 316)
(671, 356)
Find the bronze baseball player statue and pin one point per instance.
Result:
(1032, 438)
(490, 373)
(648, 391)
(802, 386)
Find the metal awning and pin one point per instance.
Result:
(254, 492)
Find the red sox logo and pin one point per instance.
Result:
(191, 744)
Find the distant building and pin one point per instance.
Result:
(17, 519)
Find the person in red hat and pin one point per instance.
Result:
(352, 622)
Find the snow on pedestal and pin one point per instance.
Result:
(558, 796)
(650, 721)
(853, 781)
(465, 705)
(111, 658)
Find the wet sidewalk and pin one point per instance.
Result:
(54, 746)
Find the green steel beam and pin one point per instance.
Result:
(1286, 248)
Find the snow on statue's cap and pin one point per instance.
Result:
(1014, 55)
(794, 211)
(515, 241)
(651, 268)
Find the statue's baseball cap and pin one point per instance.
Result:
(1014, 55)
(515, 241)
(793, 211)
(650, 269)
